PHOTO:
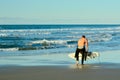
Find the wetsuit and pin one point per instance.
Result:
(82, 43)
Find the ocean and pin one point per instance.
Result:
(27, 40)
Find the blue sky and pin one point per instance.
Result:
(59, 11)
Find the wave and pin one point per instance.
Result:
(71, 46)
(9, 49)
(43, 32)
(3, 35)
(62, 29)
(52, 41)
(100, 38)
(24, 32)
(36, 45)
(49, 41)
(33, 39)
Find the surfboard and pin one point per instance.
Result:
(90, 55)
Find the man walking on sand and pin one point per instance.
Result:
(82, 47)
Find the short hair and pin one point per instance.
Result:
(83, 36)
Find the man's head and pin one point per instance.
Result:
(83, 36)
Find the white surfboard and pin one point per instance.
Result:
(90, 55)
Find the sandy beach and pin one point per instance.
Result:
(105, 67)
(57, 73)
(38, 36)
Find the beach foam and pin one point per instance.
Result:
(9, 49)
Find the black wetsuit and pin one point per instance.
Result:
(82, 51)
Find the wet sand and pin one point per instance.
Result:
(71, 72)
(108, 68)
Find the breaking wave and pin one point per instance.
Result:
(52, 37)
(9, 49)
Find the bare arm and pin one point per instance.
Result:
(86, 44)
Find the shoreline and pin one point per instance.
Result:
(106, 58)
(108, 68)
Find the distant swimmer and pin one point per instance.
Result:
(82, 47)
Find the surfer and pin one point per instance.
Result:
(82, 47)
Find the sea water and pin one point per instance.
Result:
(32, 40)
